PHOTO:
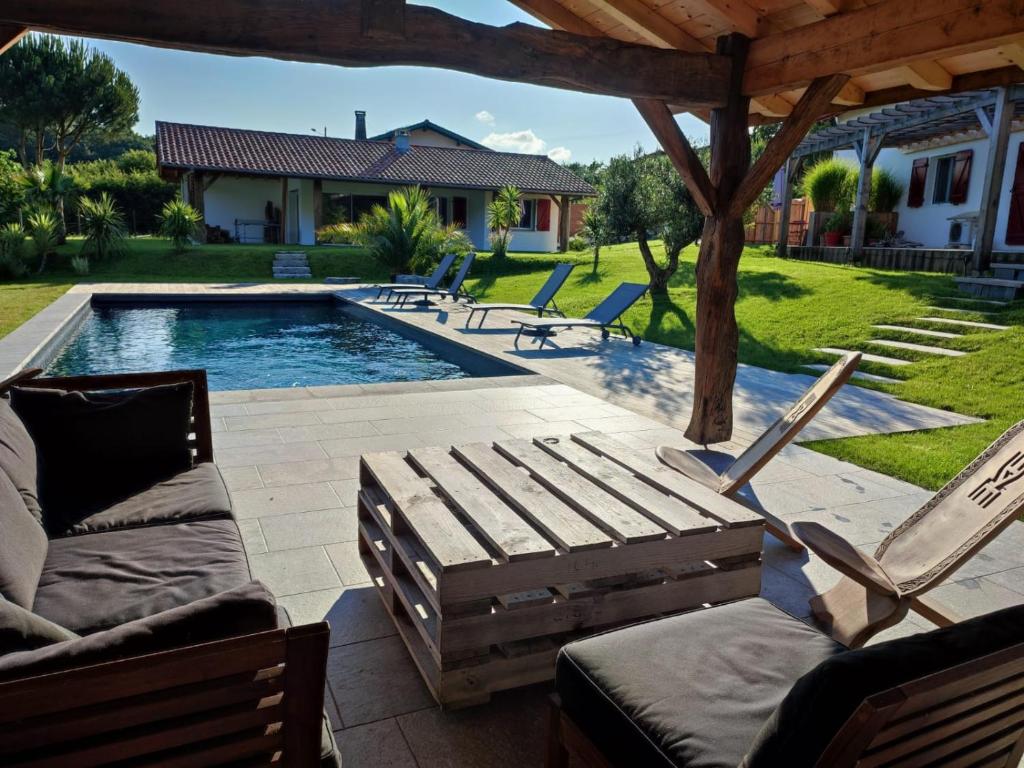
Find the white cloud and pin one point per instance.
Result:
(516, 141)
(485, 117)
(560, 154)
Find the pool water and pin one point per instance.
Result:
(257, 345)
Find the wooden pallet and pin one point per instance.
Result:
(491, 557)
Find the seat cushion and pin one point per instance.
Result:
(197, 494)
(22, 546)
(22, 630)
(819, 704)
(688, 690)
(99, 580)
(99, 448)
(18, 458)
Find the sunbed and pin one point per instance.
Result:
(431, 281)
(454, 290)
(538, 304)
(607, 314)
(762, 450)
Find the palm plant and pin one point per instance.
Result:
(595, 230)
(503, 214)
(46, 186)
(43, 228)
(103, 226)
(12, 251)
(179, 222)
(406, 234)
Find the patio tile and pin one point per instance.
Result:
(463, 435)
(241, 478)
(246, 438)
(326, 431)
(228, 409)
(356, 614)
(262, 502)
(354, 446)
(268, 454)
(280, 394)
(818, 493)
(347, 562)
(613, 424)
(375, 745)
(392, 411)
(347, 491)
(430, 423)
(498, 418)
(787, 593)
(974, 597)
(999, 556)
(336, 390)
(307, 529)
(288, 406)
(331, 708)
(375, 680)
(252, 537)
(291, 571)
(543, 429)
(319, 470)
(217, 425)
(858, 523)
(1012, 579)
(508, 732)
(269, 421)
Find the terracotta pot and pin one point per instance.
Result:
(832, 239)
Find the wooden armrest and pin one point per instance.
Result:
(846, 558)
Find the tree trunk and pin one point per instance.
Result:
(597, 256)
(659, 276)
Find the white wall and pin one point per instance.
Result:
(307, 228)
(236, 197)
(535, 240)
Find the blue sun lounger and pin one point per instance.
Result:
(538, 304)
(432, 281)
(454, 290)
(607, 314)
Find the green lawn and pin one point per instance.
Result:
(785, 309)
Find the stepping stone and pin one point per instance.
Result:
(866, 357)
(966, 300)
(920, 331)
(924, 348)
(966, 323)
(821, 368)
(960, 310)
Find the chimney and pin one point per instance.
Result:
(402, 142)
(360, 125)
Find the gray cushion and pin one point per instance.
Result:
(100, 580)
(22, 546)
(18, 458)
(22, 630)
(244, 610)
(197, 494)
(688, 690)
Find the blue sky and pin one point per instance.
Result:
(285, 96)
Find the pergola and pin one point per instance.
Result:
(736, 62)
(987, 113)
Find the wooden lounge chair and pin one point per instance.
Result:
(606, 315)
(433, 281)
(538, 304)
(454, 291)
(877, 591)
(762, 450)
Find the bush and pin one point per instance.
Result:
(886, 191)
(840, 222)
(338, 234)
(140, 194)
(578, 243)
(137, 161)
(830, 184)
(179, 222)
(102, 225)
(80, 264)
(12, 192)
(12, 252)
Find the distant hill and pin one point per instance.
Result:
(90, 148)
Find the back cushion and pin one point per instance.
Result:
(22, 630)
(98, 448)
(23, 546)
(822, 700)
(18, 458)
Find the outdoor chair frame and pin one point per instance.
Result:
(539, 304)
(454, 291)
(606, 316)
(431, 281)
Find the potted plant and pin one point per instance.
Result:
(837, 225)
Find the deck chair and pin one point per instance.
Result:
(538, 304)
(607, 314)
(764, 449)
(454, 290)
(432, 281)
(877, 591)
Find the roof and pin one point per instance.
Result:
(426, 125)
(258, 153)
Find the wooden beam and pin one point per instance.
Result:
(869, 147)
(383, 18)
(282, 233)
(649, 24)
(998, 146)
(1012, 52)
(330, 32)
(792, 167)
(928, 76)
(736, 14)
(318, 206)
(776, 106)
(849, 95)
(10, 35)
(825, 7)
(882, 36)
(816, 99)
(557, 16)
(680, 152)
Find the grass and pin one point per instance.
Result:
(786, 308)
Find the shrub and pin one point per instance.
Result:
(503, 214)
(840, 222)
(12, 193)
(886, 191)
(577, 243)
(102, 225)
(179, 222)
(338, 234)
(137, 161)
(12, 252)
(830, 184)
(80, 264)
(140, 195)
(44, 229)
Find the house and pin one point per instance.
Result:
(276, 187)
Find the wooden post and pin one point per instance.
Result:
(282, 234)
(867, 150)
(564, 222)
(792, 166)
(318, 207)
(998, 141)
(197, 194)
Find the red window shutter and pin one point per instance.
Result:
(543, 215)
(459, 213)
(918, 176)
(961, 177)
(1015, 223)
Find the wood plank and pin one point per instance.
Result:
(604, 510)
(442, 535)
(668, 480)
(668, 511)
(928, 75)
(570, 530)
(735, 15)
(330, 32)
(649, 24)
(499, 524)
(304, 683)
(10, 35)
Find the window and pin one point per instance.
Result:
(953, 178)
(459, 211)
(344, 209)
(440, 205)
(529, 214)
(943, 179)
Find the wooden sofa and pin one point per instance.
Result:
(132, 631)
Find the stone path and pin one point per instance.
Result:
(922, 348)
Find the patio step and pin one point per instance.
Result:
(283, 272)
(866, 357)
(990, 287)
(923, 348)
(966, 323)
(1007, 271)
(821, 368)
(291, 264)
(919, 331)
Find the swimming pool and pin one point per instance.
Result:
(261, 345)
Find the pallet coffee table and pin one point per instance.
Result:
(489, 558)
